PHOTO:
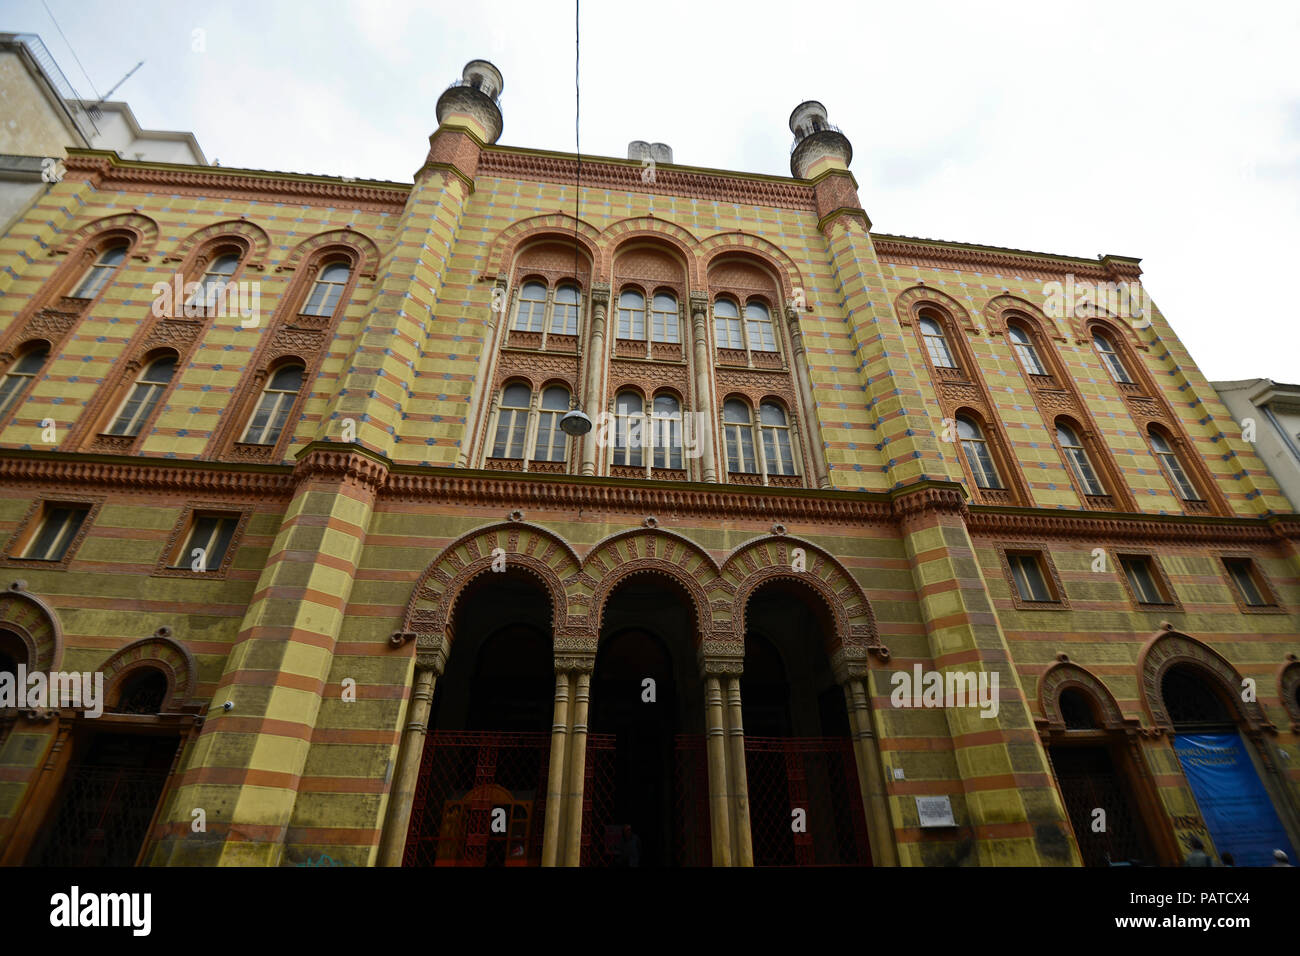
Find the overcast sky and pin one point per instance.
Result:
(1168, 131)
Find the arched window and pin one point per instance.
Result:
(778, 452)
(20, 374)
(739, 437)
(1076, 710)
(1077, 456)
(664, 319)
(1110, 358)
(1172, 466)
(100, 272)
(564, 320)
(144, 396)
(532, 307)
(215, 278)
(328, 289)
(667, 432)
(267, 423)
(550, 439)
(1025, 351)
(512, 422)
(726, 324)
(631, 315)
(978, 457)
(628, 425)
(758, 325)
(936, 344)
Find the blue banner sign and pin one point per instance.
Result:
(1233, 801)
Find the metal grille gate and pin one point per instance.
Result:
(464, 777)
(819, 776)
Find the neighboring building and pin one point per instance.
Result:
(357, 594)
(43, 118)
(1271, 412)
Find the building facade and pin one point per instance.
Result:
(870, 553)
(1269, 415)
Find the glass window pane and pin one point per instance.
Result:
(287, 379)
(516, 396)
(735, 411)
(556, 398)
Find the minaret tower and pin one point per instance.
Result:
(818, 146)
(472, 101)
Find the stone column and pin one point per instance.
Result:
(555, 773)
(850, 668)
(429, 666)
(704, 398)
(742, 845)
(594, 378)
(809, 418)
(577, 762)
(715, 728)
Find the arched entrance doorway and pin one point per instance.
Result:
(481, 792)
(116, 778)
(1221, 767)
(805, 803)
(1096, 762)
(647, 702)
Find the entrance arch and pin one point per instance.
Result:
(1219, 737)
(1096, 758)
(482, 787)
(798, 742)
(647, 709)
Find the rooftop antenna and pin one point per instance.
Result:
(103, 99)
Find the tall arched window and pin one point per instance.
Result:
(512, 422)
(935, 343)
(631, 315)
(144, 396)
(532, 307)
(778, 451)
(21, 373)
(1077, 456)
(628, 426)
(978, 457)
(739, 434)
(564, 319)
(1172, 466)
(215, 278)
(758, 325)
(726, 324)
(550, 439)
(100, 272)
(267, 423)
(1110, 358)
(667, 432)
(663, 325)
(328, 289)
(1025, 351)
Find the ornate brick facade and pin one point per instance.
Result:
(395, 482)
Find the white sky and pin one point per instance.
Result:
(1169, 131)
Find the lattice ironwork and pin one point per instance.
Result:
(691, 833)
(465, 778)
(819, 776)
(107, 803)
(598, 801)
(1089, 782)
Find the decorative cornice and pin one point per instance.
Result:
(111, 172)
(1177, 528)
(941, 255)
(341, 463)
(625, 175)
(188, 477)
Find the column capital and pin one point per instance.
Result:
(699, 303)
(600, 296)
(346, 464)
(721, 658)
(431, 652)
(850, 662)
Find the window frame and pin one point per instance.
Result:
(158, 389)
(990, 450)
(1152, 431)
(329, 261)
(29, 528)
(285, 429)
(1268, 594)
(109, 272)
(1084, 446)
(9, 406)
(177, 546)
(1158, 577)
(1040, 553)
